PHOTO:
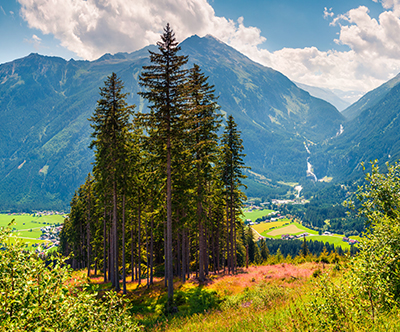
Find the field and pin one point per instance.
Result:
(264, 226)
(295, 228)
(291, 229)
(27, 226)
(332, 239)
(255, 214)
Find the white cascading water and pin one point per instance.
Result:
(309, 166)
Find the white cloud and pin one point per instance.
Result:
(2, 9)
(328, 12)
(36, 38)
(93, 27)
(391, 4)
(35, 41)
(373, 58)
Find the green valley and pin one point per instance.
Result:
(27, 227)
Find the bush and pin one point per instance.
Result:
(35, 297)
(369, 291)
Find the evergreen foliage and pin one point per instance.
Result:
(232, 175)
(166, 193)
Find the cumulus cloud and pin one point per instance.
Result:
(93, 27)
(372, 59)
(391, 4)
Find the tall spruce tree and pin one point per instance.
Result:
(111, 126)
(164, 83)
(204, 124)
(232, 175)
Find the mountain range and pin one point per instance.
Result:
(371, 132)
(45, 103)
(325, 94)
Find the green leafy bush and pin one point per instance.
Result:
(369, 292)
(34, 297)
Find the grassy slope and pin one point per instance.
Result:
(332, 239)
(28, 221)
(300, 226)
(255, 214)
(265, 228)
(257, 295)
(263, 300)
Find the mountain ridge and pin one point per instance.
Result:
(46, 102)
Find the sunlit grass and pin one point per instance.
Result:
(284, 229)
(27, 226)
(256, 299)
(255, 214)
(264, 226)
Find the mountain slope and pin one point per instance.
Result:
(45, 103)
(370, 99)
(326, 95)
(275, 116)
(373, 134)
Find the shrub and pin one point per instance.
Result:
(35, 297)
(369, 291)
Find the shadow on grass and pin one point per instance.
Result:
(155, 311)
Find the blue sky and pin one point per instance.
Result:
(292, 23)
(350, 45)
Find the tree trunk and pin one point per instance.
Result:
(170, 276)
(115, 234)
(132, 258)
(151, 246)
(123, 246)
(147, 253)
(110, 258)
(165, 255)
(88, 234)
(139, 243)
(183, 274)
(105, 244)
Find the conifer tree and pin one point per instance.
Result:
(204, 124)
(304, 247)
(264, 250)
(111, 125)
(164, 82)
(232, 175)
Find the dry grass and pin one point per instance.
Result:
(292, 280)
(264, 226)
(287, 280)
(291, 229)
(287, 273)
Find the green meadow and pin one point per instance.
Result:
(295, 228)
(332, 239)
(27, 226)
(255, 214)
